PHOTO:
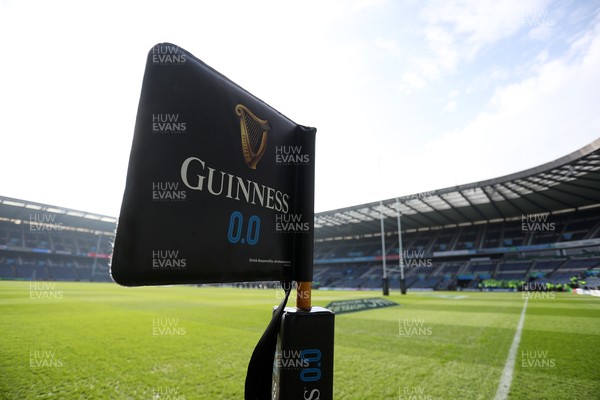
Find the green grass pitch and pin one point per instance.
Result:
(102, 341)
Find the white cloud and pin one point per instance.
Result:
(541, 32)
(455, 32)
(531, 122)
(450, 106)
(361, 5)
(411, 81)
(480, 22)
(489, 78)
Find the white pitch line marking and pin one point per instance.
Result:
(509, 367)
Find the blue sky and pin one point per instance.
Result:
(407, 96)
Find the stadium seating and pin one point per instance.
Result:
(60, 254)
(449, 269)
(438, 259)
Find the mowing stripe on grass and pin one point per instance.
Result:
(507, 374)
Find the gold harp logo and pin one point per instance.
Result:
(254, 135)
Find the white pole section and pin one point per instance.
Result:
(382, 239)
(400, 253)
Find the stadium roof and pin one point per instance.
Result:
(567, 184)
(28, 211)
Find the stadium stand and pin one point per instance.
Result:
(541, 225)
(43, 242)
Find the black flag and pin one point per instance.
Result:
(220, 186)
